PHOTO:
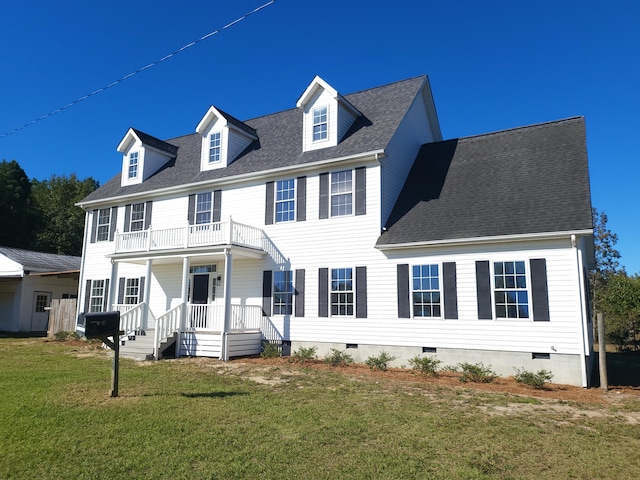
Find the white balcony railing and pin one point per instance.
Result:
(208, 234)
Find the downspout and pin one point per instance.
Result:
(583, 326)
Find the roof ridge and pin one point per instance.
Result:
(522, 127)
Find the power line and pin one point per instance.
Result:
(146, 67)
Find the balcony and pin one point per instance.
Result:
(191, 236)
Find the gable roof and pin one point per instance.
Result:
(279, 142)
(527, 180)
(37, 262)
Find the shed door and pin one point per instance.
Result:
(40, 314)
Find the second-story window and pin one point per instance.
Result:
(285, 201)
(137, 217)
(341, 193)
(203, 208)
(320, 124)
(214, 147)
(133, 164)
(104, 220)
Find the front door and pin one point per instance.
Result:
(40, 313)
(200, 293)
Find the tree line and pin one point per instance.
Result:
(41, 215)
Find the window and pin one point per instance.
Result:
(133, 164)
(203, 208)
(282, 293)
(341, 291)
(104, 219)
(137, 217)
(42, 301)
(510, 283)
(214, 147)
(132, 291)
(341, 193)
(285, 201)
(96, 296)
(426, 291)
(320, 125)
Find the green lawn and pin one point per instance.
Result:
(200, 419)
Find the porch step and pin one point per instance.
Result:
(139, 347)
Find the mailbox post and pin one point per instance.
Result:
(103, 325)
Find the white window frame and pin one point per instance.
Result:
(136, 221)
(103, 224)
(500, 288)
(283, 292)
(96, 296)
(426, 290)
(342, 301)
(215, 147)
(202, 213)
(285, 200)
(320, 121)
(132, 291)
(341, 189)
(134, 162)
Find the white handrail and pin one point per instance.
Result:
(131, 319)
(166, 325)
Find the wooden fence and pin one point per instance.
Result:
(62, 316)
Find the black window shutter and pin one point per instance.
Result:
(114, 220)
(94, 225)
(191, 214)
(266, 292)
(450, 290)
(299, 296)
(361, 191)
(127, 218)
(301, 199)
(147, 214)
(404, 308)
(121, 286)
(323, 292)
(361, 292)
(141, 290)
(105, 302)
(539, 291)
(483, 289)
(268, 211)
(87, 296)
(324, 195)
(217, 205)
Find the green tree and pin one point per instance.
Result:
(16, 215)
(60, 221)
(619, 300)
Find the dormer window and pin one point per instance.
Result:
(320, 124)
(133, 164)
(214, 147)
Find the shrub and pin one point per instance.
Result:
(535, 380)
(477, 373)
(425, 365)
(381, 362)
(450, 368)
(63, 336)
(303, 354)
(270, 350)
(336, 358)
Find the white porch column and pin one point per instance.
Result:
(147, 294)
(112, 286)
(228, 266)
(185, 299)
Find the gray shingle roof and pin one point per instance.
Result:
(526, 180)
(155, 142)
(41, 262)
(279, 142)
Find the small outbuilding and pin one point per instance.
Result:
(28, 282)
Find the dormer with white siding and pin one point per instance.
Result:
(223, 139)
(142, 156)
(327, 116)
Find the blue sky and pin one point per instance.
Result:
(493, 65)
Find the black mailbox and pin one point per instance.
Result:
(102, 324)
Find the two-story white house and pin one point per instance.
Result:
(347, 222)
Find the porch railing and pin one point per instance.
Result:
(130, 317)
(166, 325)
(208, 234)
(211, 317)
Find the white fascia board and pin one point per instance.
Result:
(374, 156)
(204, 123)
(316, 83)
(130, 137)
(480, 240)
